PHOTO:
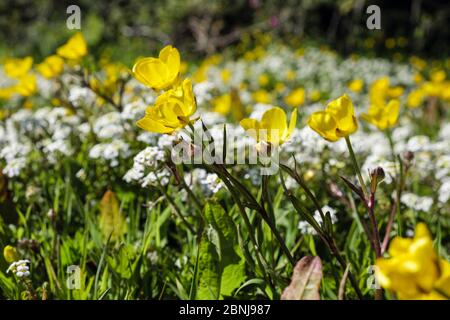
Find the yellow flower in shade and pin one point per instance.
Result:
(171, 110)
(27, 85)
(356, 85)
(74, 49)
(10, 254)
(414, 271)
(383, 116)
(159, 73)
(51, 67)
(222, 104)
(337, 121)
(296, 98)
(15, 67)
(273, 127)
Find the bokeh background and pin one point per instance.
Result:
(204, 27)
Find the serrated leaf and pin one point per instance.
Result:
(306, 279)
(112, 223)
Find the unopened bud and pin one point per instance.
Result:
(376, 176)
(408, 157)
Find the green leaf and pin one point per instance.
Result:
(306, 280)
(112, 222)
(232, 263)
(208, 271)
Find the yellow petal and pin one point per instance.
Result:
(324, 124)
(171, 57)
(343, 112)
(75, 48)
(15, 68)
(151, 72)
(153, 126)
(274, 123)
(251, 126)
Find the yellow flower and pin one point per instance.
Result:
(15, 68)
(415, 98)
(295, 98)
(315, 95)
(437, 76)
(272, 128)
(7, 92)
(159, 73)
(390, 43)
(414, 271)
(27, 85)
(356, 85)
(395, 92)
(263, 80)
(290, 75)
(74, 49)
(51, 67)
(171, 110)
(337, 121)
(261, 96)
(222, 104)
(225, 74)
(10, 254)
(383, 116)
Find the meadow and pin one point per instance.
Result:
(94, 204)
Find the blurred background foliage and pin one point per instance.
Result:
(205, 27)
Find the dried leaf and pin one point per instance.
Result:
(306, 278)
(111, 220)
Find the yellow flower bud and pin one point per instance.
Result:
(10, 254)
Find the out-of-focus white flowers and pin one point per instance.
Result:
(416, 202)
(209, 183)
(111, 152)
(20, 268)
(305, 227)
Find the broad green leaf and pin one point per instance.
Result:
(232, 264)
(306, 279)
(208, 271)
(112, 222)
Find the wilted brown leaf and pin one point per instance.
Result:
(111, 220)
(305, 281)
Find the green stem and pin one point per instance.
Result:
(356, 166)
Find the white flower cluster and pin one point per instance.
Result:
(147, 168)
(209, 183)
(111, 152)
